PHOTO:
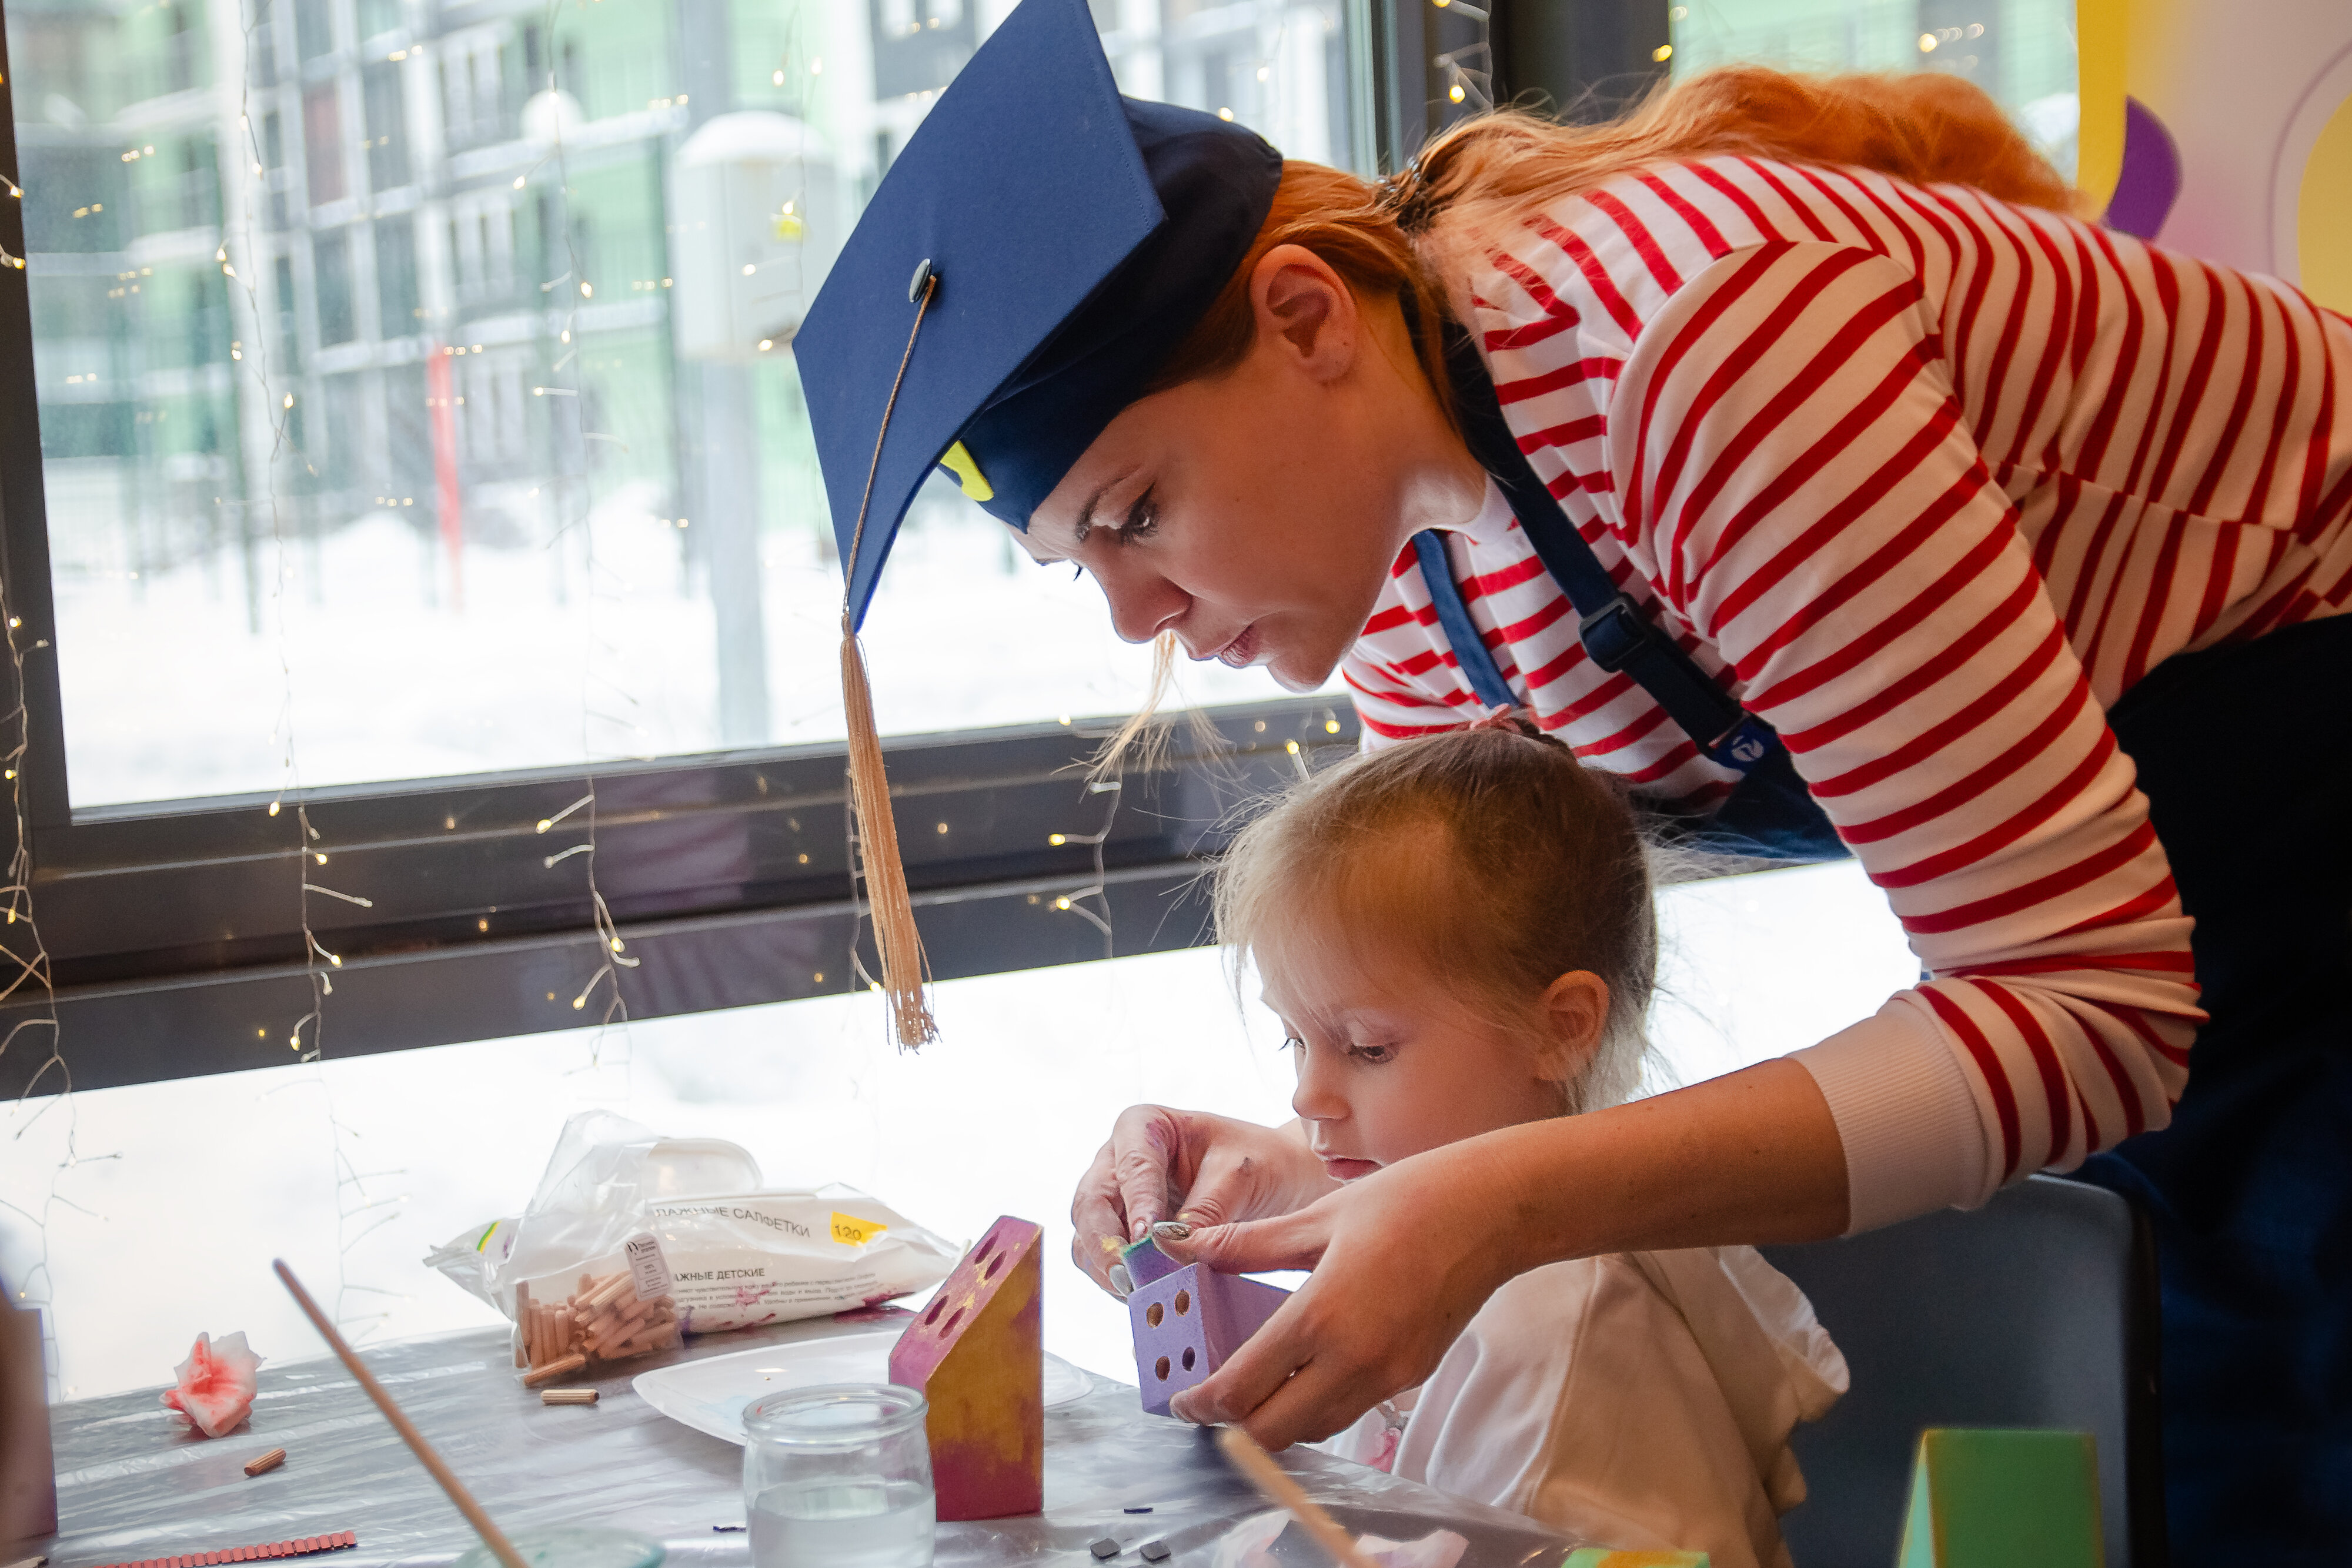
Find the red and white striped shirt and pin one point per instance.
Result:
(1928, 481)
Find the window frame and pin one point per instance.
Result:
(176, 934)
(176, 937)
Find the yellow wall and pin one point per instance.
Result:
(2323, 215)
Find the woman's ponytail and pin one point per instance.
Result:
(1926, 126)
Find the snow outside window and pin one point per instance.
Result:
(365, 351)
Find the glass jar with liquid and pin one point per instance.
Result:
(839, 1475)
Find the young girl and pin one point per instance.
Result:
(1457, 934)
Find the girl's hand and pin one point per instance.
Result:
(1164, 1164)
(1403, 1258)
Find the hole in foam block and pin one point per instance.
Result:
(1183, 1303)
(1159, 1368)
(933, 1315)
(1152, 1315)
(951, 1323)
(1188, 1358)
(993, 1265)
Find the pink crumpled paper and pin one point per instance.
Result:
(216, 1383)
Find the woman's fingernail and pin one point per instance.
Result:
(1171, 1230)
(1121, 1280)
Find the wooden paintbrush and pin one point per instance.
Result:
(492, 1536)
(1268, 1478)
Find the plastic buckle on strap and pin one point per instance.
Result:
(1743, 745)
(1614, 634)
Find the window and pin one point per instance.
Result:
(330, 267)
(2021, 52)
(600, 472)
(377, 18)
(377, 478)
(314, 32)
(322, 143)
(387, 139)
(399, 307)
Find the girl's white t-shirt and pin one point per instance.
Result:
(1640, 1400)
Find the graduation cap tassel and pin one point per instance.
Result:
(905, 973)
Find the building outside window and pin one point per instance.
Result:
(2020, 51)
(219, 243)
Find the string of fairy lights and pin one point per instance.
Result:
(366, 1198)
(612, 953)
(22, 948)
(1468, 72)
(362, 1203)
(31, 969)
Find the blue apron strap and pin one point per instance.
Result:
(1471, 654)
(1615, 633)
(1771, 814)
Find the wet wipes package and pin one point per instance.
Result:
(740, 1258)
(649, 1231)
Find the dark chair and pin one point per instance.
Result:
(2038, 1310)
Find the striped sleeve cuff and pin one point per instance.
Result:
(1914, 1136)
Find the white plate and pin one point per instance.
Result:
(709, 1394)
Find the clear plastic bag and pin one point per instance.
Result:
(725, 1252)
(467, 1258)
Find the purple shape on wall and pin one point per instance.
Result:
(2150, 180)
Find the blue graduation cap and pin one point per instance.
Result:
(1055, 242)
(1040, 248)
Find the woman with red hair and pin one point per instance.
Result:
(1792, 450)
(2026, 538)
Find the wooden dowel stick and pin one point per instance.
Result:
(1258, 1465)
(492, 1536)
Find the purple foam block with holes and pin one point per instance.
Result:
(1145, 1263)
(1186, 1322)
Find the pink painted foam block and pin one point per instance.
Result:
(978, 1354)
(1186, 1322)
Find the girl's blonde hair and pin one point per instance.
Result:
(1490, 859)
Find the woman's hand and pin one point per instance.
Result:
(1164, 1164)
(1404, 1258)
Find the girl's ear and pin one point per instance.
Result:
(1307, 309)
(1576, 1010)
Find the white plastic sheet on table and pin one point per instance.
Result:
(129, 1487)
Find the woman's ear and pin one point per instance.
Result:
(1305, 311)
(1576, 1007)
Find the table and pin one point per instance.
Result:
(131, 1485)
